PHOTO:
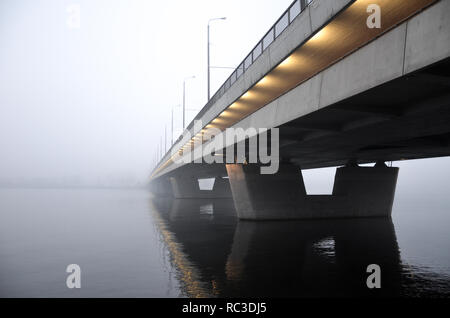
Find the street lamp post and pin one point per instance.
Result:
(184, 99)
(171, 135)
(223, 18)
(165, 139)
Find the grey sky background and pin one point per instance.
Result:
(89, 105)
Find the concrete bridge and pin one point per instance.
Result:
(342, 91)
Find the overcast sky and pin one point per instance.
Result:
(93, 101)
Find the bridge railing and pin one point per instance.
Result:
(277, 28)
(282, 23)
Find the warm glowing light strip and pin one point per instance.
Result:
(188, 274)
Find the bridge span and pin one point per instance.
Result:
(342, 91)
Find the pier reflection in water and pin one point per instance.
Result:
(307, 258)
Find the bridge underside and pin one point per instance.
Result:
(406, 118)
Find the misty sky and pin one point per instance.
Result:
(92, 101)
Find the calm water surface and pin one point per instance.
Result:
(129, 244)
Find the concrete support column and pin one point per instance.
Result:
(184, 187)
(369, 191)
(266, 196)
(357, 192)
(161, 187)
(187, 187)
(222, 186)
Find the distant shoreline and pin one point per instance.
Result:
(49, 187)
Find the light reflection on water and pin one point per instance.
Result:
(187, 273)
(305, 258)
(130, 245)
(326, 248)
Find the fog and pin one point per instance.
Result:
(87, 104)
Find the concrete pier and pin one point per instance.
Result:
(368, 191)
(358, 192)
(266, 196)
(161, 187)
(187, 187)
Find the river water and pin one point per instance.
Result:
(130, 244)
